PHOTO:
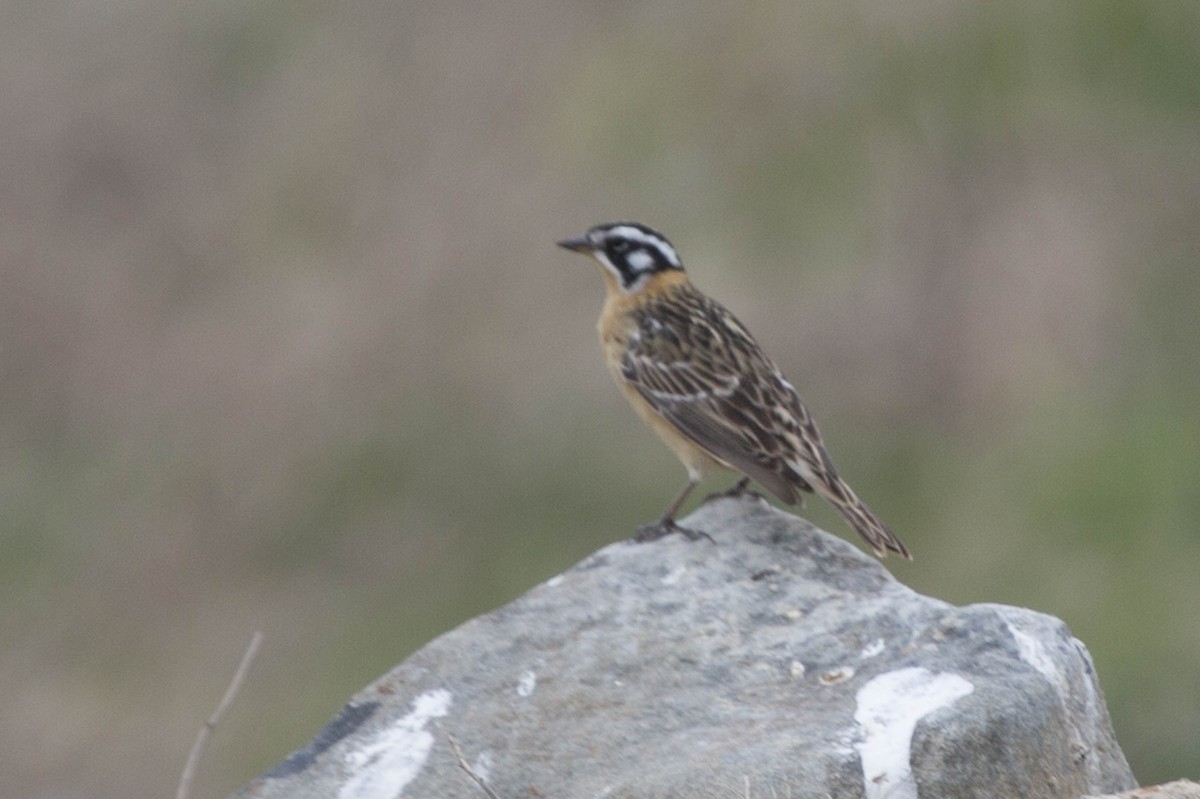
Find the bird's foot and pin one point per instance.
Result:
(740, 489)
(664, 527)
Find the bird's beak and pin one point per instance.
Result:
(577, 244)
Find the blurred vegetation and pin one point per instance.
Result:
(285, 342)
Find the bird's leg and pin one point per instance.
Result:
(666, 525)
(673, 508)
(740, 489)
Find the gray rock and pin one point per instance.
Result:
(1181, 789)
(779, 661)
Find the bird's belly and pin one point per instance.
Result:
(695, 459)
(613, 341)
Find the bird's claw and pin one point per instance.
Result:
(664, 527)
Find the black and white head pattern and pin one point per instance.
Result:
(632, 252)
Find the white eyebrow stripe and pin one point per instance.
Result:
(640, 236)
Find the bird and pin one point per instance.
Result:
(697, 377)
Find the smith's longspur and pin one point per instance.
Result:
(694, 373)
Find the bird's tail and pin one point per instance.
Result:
(861, 518)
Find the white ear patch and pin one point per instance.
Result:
(640, 260)
(641, 237)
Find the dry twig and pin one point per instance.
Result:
(462, 764)
(189, 771)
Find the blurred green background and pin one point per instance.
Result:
(286, 344)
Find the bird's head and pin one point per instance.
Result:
(630, 253)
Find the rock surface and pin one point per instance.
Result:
(779, 661)
(1181, 789)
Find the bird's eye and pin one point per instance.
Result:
(621, 246)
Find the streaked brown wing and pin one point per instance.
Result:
(698, 367)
